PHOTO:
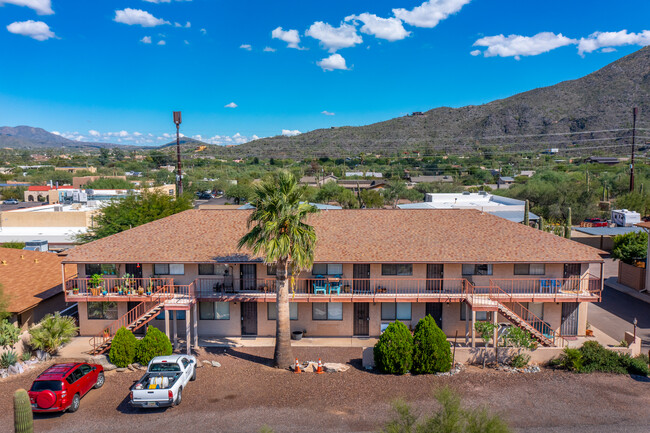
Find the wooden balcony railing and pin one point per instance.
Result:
(586, 285)
(109, 286)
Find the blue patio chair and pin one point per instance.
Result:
(545, 286)
(335, 287)
(320, 287)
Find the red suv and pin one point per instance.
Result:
(61, 386)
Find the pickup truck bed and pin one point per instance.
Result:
(164, 382)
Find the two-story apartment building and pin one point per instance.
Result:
(371, 267)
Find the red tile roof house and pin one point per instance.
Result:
(371, 267)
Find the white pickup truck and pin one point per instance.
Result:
(163, 384)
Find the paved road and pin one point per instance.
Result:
(614, 316)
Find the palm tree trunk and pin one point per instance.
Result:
(283, 356)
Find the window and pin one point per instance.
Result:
(396, 311)
(102, 310)
(206, 269)
(397, 269)
(180, 315)
(214, 310)
(101, 269)
(272, 311)
(327, 269)
(480, 315)
(85, 369)
(271, 270)
(327, 311)
(477, 269)
(169, 269)
(530, 269)
(536, 309)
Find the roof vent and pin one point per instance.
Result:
(35, 260)
(4, 262)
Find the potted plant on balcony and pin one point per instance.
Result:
(95, 283)
(75, 290)
(140, 291)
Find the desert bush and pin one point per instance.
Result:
(26, 356)
(520, 360)
(9, 334)
(52, 332)
(597, 358)
(394, 350)
(123, 348)
(154, 343)
(637, 365)
(431, 351)
(571, 359)
(8, 359)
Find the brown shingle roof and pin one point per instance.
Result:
(27, 282)
(364, 235)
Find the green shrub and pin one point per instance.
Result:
(123, 348)
(571, 359)
(636, 365)
(8, 359)
(520, 360)
(597, 358)
(52, 332)
(9, 334)
(431, 352)
(26, 356)
(394, 350)
(154, 343)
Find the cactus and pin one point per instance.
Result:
(541, 223)
(567, 227)
(526, 214)
(23, 420)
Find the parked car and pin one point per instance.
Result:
(163, 383)
(62, 386)
(11, 201)
(203, 195)
(596, 222)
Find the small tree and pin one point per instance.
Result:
(486, 332)
(123, 348)
(155, 343)
(519, 339)
(431, 351)
(9, 334)
(52, 332)
(394, 350)
(17, 245)
(630, 247)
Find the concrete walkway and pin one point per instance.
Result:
(612, 283)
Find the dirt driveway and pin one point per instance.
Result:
(244, 394)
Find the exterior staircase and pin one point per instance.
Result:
(516, 319)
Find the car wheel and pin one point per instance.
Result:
(193, 375)
(179, 396)
(76, 400)
(100, 381)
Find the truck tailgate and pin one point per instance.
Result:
(151, 395)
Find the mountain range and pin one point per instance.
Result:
(587, 113)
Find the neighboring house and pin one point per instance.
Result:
(75, 170)
(505, 181)
(607, 160)
(430, 179)
(355, 185)
(527, 173)
(504, 207)
(318, 181)
(364, 174)
(31, 280)
(371, 267)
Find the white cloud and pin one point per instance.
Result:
(94, 133)
(223, 140)
(204, 31)
(334, 38)
(291, 37)
(56, 133)
(327, 113)
(390, 29)
(430, 13)
(335, 61)
(162, 42)
(188, 25)
(164, 1)
(269, 50)
(608, 50)
(475, 52)
(246, 47)
(290, 133)
(231, 105)
(138, 17)
(34, 29)
(612, 39)
(146, 40)
(517, 45)
(41, 7)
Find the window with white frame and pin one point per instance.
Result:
(327, 269)
(214, 310)
(272, 311)
(477, 269)
(327, 311)
(398, 269)
(396, 311)
(169, 269)
(530, 269)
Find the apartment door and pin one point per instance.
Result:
(249, 318)
(248, 274)
(361, 318)
(361, 275)
(434, 309)
(569, 318)
(134, 269)
(572, 271)
(435, 274)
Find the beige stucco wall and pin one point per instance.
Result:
(46, 219)
(91, 328)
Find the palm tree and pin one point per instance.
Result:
(278, 232)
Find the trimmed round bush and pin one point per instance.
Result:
(123, 348)
(431, 351)
(394, 350)
(155, 343)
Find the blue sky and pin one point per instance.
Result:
(115, 70)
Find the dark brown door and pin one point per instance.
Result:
(572, 271)
(134, 269)
(569, 324)
(248, 318)
(248, 274)
(361, 275)
(434, 309)
(361, 318)
(435, 274)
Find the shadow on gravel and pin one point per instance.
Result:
(245, 356)
(640, 378)
(47, 415)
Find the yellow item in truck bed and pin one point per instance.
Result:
(153, 386)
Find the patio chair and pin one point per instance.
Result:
(335, 287)
(320, 287)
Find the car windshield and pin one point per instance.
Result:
(164, 367)
(44, 385)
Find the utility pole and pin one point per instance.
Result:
(634, 111)
(179, 171)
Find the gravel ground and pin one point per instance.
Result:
(244, 394)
